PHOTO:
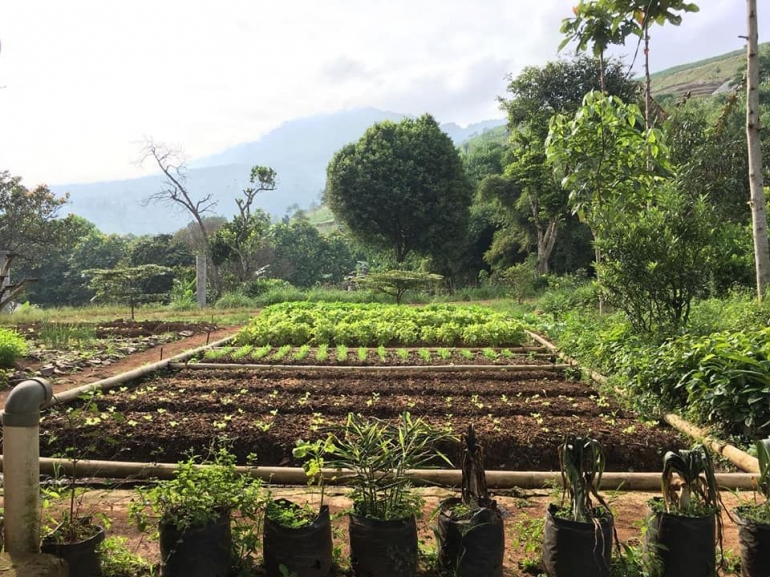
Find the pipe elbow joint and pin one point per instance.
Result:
(22, 409)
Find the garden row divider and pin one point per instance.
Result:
(419, 477)
(117, 380)
(374, 368)
(739, 458)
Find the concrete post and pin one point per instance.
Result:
(21, 464)
(200, 279)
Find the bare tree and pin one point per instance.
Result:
(758, 200)
(174, 191)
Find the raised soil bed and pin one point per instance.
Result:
(521, 417)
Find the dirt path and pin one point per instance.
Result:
(133, 361)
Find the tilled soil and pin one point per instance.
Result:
(521, 416)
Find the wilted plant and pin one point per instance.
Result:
(697, 492)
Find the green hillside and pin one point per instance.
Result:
(702, 78)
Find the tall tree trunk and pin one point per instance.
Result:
(758, 201)
(647, 80)
(546, 238)
(601, 72)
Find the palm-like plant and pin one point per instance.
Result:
(582, 465)
(379, 453)
(696, 470)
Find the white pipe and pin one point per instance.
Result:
(21, 465)
(111, 382)
(443, 477)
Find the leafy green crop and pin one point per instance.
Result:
(372, 325)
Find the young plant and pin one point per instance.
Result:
(301, 353)
(312, 455)
(382, 354)
(466, 354)
(379, 453)
(281, 353)
(490, 354)
(697, 492)
(582, 461)
(322, 353)
(362, 354)
(242, 352)
(260, 352)
(342, 353)
(444, 353)
(424, 354)
(402, 354)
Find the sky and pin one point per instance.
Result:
(84, 82)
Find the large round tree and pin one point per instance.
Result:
(401, 188)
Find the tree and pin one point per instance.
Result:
(758, 200)
(401, 188)
(531, 198)
(243, 238)
(657, 259)
(29, 226)
(596, 23)
(609, 162)
(304, 257)
(174, 192)
(126, 284)
(396, 283)
(646, 13)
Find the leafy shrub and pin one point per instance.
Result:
(12, 346)
(235, 301)
(722, 379)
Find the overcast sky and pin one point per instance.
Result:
(85, 80)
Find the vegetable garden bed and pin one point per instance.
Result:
(521, 416)
(342, 355)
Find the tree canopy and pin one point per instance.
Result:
(401, 188)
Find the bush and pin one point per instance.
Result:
(656, 261)
(235, 301)
(260, 286)
(12, 346)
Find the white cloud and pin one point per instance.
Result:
(85, 81)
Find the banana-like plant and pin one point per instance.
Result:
(698, 487)
(582, 464)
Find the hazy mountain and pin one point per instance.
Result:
(299, 150)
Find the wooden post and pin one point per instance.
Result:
(200, 281)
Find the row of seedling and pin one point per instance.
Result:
(343, 354)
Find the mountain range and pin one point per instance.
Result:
(299, 151)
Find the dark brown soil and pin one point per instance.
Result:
(522, 416)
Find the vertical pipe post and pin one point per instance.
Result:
(21, 464)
